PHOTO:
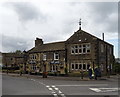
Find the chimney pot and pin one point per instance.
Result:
(38, 41)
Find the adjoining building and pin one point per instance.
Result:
(74, 55)
(12, 60)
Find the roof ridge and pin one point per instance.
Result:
(55, 42)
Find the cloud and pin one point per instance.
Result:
(106, 15)
(55, 21)
(27, 11)
(14, 43)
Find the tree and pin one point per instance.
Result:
(18, 51)
(116, 67)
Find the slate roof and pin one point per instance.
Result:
(58, 45)
(12, 55)
(48, 47)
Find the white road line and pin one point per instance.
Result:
(53, 86)
(50, 89)
(53, 92)
(47, 86)
(55, 95)
(95, 89)
(59, 92)
(56, 88)
(83, 85)
(104, 89)
(109, 88)
(63, 95)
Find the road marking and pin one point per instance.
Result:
(55, 95)
(95, 89)
(47, 86)
(53, 86)
(104, 89)
(59, 92)
(53, 92)
(50, 89)
(83, 85)
(63, 95)
(56, 88)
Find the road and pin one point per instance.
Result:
(58, 88)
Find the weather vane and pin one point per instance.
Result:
(80, 24)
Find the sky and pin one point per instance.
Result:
(21, 22)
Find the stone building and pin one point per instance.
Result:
(76, 54)
(12, 60)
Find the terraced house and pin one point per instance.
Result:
(75, 54)
(12, 60)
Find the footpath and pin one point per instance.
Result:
(112, 77)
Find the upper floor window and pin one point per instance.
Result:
(81, 49)
(33, 57)
(102, 48)
(110, 50)
(72, 50)
(76, 49)
(44, 57)
(88, 48)
(84, 48)
(56, 56)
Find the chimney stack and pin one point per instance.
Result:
(38, 41)
(103, 36)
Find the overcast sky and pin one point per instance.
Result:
(22, 22)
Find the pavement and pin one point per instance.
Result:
(112, 77)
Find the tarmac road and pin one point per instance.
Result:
(58, 88)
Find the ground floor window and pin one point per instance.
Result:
(33, 67)
(54, 68)
(80, 66)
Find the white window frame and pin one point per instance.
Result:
(73, 64)
(88, 47)
(56, 54)
(55, 68)
(76, 47)
(44, 57)
(81, 66)
(80, 47)
(77, 66)
(72, 49)
(85, 66)
(84, 48)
